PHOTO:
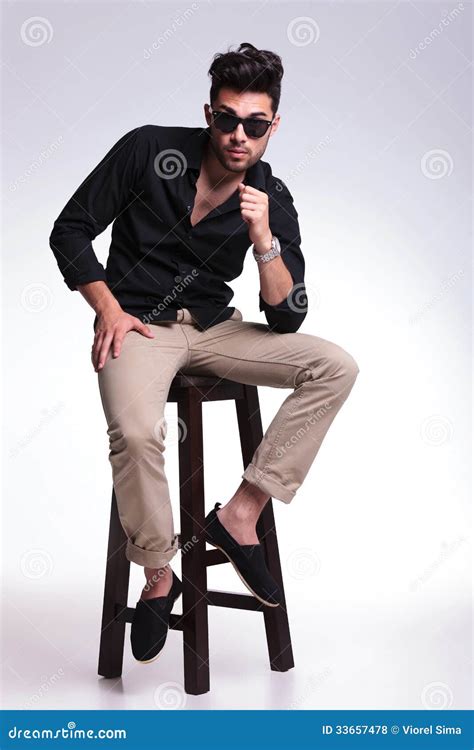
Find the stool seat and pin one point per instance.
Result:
(181, 380)
(190, 392)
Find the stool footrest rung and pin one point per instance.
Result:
(214, 599)
(176, 622)
(236, 601)
(124, 614)
(215, 557)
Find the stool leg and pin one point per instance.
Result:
(276, 619)
(117, 576)
(193, 546)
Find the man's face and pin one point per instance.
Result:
(247, 150)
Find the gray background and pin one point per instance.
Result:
(375, 146)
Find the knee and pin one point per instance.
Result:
(135, 440)
(348, 366)
(335, 362)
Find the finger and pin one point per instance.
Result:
(251, 206)
(253, 191)
(117, 344)
(245, 192)
(96, 348)
(245, 195)
(252, 197)
(250, 203)
(104, 350)
(252, 214)
(144, 329)
(248, 215)
(256, 200)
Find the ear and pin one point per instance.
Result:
(274, 126)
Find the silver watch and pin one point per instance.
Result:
(272, 253)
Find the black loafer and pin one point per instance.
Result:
(150, 623)
(247, 559)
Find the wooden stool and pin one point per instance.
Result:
(189, 392)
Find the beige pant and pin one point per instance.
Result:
(134, 388)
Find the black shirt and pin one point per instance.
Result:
(158, 262)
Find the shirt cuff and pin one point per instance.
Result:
(285, 317)
(85, 277)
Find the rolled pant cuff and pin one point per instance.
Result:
(148, 557)
(267, 484)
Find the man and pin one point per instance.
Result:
(187, 203)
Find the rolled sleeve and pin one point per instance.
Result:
(288, 315)
(99, 199)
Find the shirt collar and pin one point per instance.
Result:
(193, 150)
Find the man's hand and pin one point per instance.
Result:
(254, 211)
(113, 324)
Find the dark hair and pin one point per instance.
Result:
(247, 69)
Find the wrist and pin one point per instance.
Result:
(104, 306)
(268, 255)
(264, 244)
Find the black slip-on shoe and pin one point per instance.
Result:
(151, 621)
(247, 559)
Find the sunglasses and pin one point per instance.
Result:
(253, 127)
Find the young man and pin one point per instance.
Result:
(187, 203)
